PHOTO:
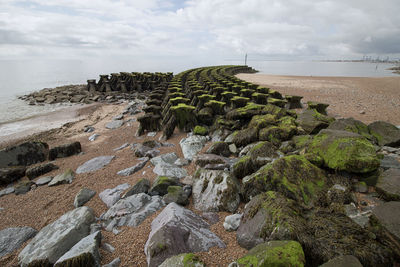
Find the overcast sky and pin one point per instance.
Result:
(226, 29)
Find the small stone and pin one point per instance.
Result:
(88, 129)
(63, 178)
(362, 112)
(114, 124)
(108, 247)
(118, 117)
(232, 222)
(112, 195)
(83, 196)
(7, 191)
(23, 187)
(233, 148)
(133, 169)
(152, 134)
(43, 180)
(93, 137)
(121, 147)
(142, 186)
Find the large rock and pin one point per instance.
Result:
(65, 150)
(176, 194)
(12, 238)
(170, 170)
(293, 176)
(37, 171)
(137, 167)
(387, 215)
(268, 216)
(178, 230)
(111, 195)
(161, 184)
(219, 148)
(84, 253)
(131, 211)
(83, 196)
(389, 184)
(204, 159)
(11, 174)
(274, 253)
(142, 186)
(183, 260)
(245, 137)
(232, 222)
(24, 154)
(94, 164)
(344, 151)
(385, 133)
(63, 178)
(192, 145)
(312, 121)
(352, 125)
(345, 260)
(215, 190)
(55, 239)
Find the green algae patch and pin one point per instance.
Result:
(262, 121)
(239, 101)
(185, 116)
(216, 106)
(260, 98)
(200, 130)
(345, 151)
(274, 253)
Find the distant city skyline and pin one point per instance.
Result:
(199, 29)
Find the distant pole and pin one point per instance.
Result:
(245, 59)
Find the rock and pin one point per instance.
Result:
(183, 260)
(389, 162)
(93, 137)
(389, 184)
(131, 211)
(211, 217)
(12, 238)
(352, 125)
(114, 124)
(94, 164)
(192, 145)
(344, 151)
(338, 194)
(311, 121)
(233, 148)
(204, 159)
(152, 134)
(133, 169)
(11, 174)
(215, 190)
(23, 187)
(360, 218)
(345, 260)
(200, 130)
(121, 147)
(7, 191)
(142, 186)
(111, 195)
(247, 148)
(181, 162)
(108, 247)
(232, 222)
(385, 133)
(83, 196)
(170, 170)
(274, 253)
(360, 187)
(293, 176)
(55, 239)
(161, 184)
(118, 117)
(34, 172)
(178, 230)
(43, 180)
(94, 227)
(387, 216)
(65, 150)
(89, 129)
(219, 148)
(114, 263)
(63, 178)
(85, 252)
(177, 195)
(145, 151)
(168, 158)
(24, 154)
(245, 137)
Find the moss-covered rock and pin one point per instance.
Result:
(277, 102)
(345, 151)
(274, 253)
(184, 116)
(177, 100)
(262, 121)
(244, 166)
(176, 194)
(301, 141)
(293, 101)
(161, 184)
(247, 92)
(277, 134)
(246, 112)
(275, 94)
(200, 130)
(239, 101)
(219, 148)
(262, 153)
(245, 137)
(311, 121)
(386, 134)
(216, 106)
(352, 125)
(183, 260)
(293, 176)
(259, 98)
(320, 107)
(205, 115)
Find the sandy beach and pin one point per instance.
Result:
(365, 99)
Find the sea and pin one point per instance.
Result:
(19, 77)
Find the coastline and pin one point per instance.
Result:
(366, 99)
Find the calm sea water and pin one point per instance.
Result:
(21, 77)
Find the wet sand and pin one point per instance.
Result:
(365, 99)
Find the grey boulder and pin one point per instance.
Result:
(142, 186)
(232, 222)
(134, 168)
(94, 164)
(43, 180)
(192, 145)
(386, 134)
(170, 170)
(6, 191)
(387, 215)
(12, 238)
(83, 196)
(389, 184)
(168, 158)
(63, 178)
(111, 195)
(55, 239)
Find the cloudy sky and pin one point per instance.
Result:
(225, 29)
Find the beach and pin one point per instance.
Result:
(367, 99)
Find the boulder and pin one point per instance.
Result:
(134, 168)
(11, 174)
(55, 239)
(387, 216)
(142, 186)
(293, 176)
(311, 121)
(232, 222)
(389, 162)
(352, 125)
(385, 133)
(111, 195)
(204, 159)
(183, 260)
(65, 150)
(192, 145)
(161, 184)
(345, 260)
(245, 137)
(114, 124)
(94, 164)
(84, 253)
(131, 211)
(168, 158)
(12, 238)
(24, 154)
(219, 148)
(274, 253)
(63, 178)
(176, 194)
(37, 171)
(269, 216)
(145, 151)
(344, 151)
(178, 230)
(181, 162)
(389, 184)
(170, 170)
(83, 196)
(215, 190)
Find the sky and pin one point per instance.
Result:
(218, 29)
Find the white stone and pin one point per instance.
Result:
(232, 222)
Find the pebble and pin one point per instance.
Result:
(93, 137)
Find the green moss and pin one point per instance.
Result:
(200, 130)
(206, 97)
(177, 100)
(189, 260)
(301, 141)
(184, 116)
(239, 101)
(174, 189)
(216, 106)
(262, 121)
